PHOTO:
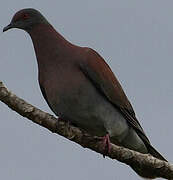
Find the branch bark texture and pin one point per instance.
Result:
(140, 161)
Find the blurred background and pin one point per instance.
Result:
(134, 37)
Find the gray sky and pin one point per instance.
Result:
(136, 39)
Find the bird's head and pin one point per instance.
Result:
(26, 19)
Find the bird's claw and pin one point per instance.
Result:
(106, 145)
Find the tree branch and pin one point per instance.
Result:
(137, 160)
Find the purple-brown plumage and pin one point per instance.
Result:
(80, 87)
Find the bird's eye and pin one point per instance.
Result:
(25, 16)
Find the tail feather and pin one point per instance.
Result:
(155, 153)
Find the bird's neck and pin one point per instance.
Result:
(48, 44)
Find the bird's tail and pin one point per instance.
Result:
(155, 153)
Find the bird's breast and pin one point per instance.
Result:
(73, 96)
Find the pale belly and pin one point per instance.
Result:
(88, 109)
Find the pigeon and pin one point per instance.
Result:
(81, 88)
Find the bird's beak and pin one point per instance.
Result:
(8, 27)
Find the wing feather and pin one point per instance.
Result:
(100, 74)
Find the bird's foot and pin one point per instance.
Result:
(57, 125)
(106, 145)
(67, 128)
(69, 131)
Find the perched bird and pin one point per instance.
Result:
(80, 87)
